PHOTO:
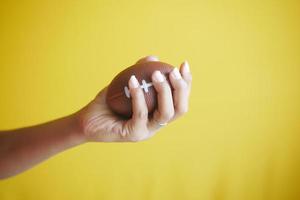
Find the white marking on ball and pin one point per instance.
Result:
(145, 86)
(127, 93)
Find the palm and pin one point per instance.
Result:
(101, 124)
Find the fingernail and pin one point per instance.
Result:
(176, 74)
(158, 77)
(186, 67)
(133, 82)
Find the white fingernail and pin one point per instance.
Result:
(158, 77)
(176, 74)
(186, 67)
(133, 82)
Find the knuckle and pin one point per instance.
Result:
(136, 138)
(142, 114)
(140, 96)
(182, 111)
(166, 116)
(136, 93)
(133, 93)
(189, 78)
(163, 87)
(182, 85)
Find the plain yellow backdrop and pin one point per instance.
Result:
(240, 139)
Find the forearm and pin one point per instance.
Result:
(23, 148)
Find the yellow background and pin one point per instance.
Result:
(240, 139)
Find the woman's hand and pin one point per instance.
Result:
(99, 123)
(21, 149)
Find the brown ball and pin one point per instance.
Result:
(118, 96)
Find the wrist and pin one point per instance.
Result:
(77, 129)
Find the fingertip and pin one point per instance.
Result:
(186, 72)
(133, 82)
(185, 67)
(158, 77)
(148, 59)
(152, 58)
(175, 74)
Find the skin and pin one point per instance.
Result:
(23, 148)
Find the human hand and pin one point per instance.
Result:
(99, 123)
(22, 148)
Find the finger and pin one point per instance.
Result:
(139, 106)
(165, 111)
(180, 93)
(186, 73)
(147, 59)
(139, 112)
